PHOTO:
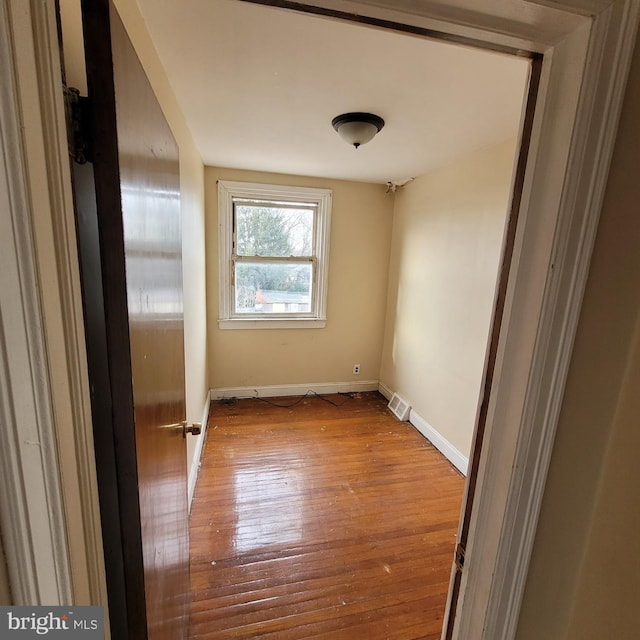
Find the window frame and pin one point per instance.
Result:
(322, 199)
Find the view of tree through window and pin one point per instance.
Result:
(273, 258)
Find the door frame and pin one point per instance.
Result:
(49, 513)
(583, 80)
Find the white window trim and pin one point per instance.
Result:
(228, 190)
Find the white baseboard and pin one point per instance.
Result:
(271, 391)
(433, 435)
(197, 454)
(439, 442)
(385, 390)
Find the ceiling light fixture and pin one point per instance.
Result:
(357, 128)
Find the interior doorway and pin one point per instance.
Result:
(510, 237)
(239, 348)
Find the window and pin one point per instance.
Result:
(274, 250)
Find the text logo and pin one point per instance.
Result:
(22, 623)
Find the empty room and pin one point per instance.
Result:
(392, 293)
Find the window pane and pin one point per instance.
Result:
(273, 287)
(272, 231)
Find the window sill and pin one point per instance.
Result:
(272, 323)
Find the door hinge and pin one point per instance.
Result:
(76, 109)
(459, 556)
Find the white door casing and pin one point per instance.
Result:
(49, 509)
(30, 488)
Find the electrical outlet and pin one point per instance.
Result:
(356, 369)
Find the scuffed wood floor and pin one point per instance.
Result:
(322, 522)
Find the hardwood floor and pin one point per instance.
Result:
(321, 522)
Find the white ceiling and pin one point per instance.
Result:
(259, 87)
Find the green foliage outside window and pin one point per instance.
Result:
(275, 233)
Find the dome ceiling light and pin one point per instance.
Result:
(357, 128)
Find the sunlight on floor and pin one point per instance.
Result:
(256, 490)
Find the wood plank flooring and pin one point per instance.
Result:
(323, 522)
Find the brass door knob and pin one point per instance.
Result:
(177, 427)
(194, 428)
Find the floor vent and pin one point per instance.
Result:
(399, 407)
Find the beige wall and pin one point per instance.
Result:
(584, 578)
(608, 588)
(447, 237)
(359, 255)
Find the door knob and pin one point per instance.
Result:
(177, 427)
(184, 427)
(195, 428)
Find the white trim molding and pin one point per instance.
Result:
(457, 459)
(31, 503)
(453, 455)
(282, 390)
(65, 326)
(44, 245)
(385, 390)
(321, 200)
(580, 7)
(194, 463)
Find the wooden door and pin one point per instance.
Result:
(128, 212)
